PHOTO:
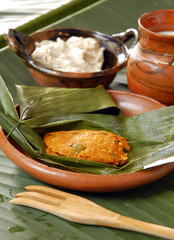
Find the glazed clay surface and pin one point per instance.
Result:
(150, 69)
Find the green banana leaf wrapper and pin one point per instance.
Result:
(42, 110)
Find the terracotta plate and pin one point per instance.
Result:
(130, 104)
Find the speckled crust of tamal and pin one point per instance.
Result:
(99, 146)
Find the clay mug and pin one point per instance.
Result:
(150, 67)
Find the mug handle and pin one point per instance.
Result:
(126, 36)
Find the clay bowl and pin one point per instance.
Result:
(130, 104)
(115, 54)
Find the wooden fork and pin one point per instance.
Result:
(81, 210)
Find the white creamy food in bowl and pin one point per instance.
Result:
(76, 54)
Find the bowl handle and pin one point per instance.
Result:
(18, 42)
(127, 35)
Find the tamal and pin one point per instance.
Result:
(99, 146)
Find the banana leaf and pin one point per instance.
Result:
(150, 135)
(10, 122)
(63, 100)
(154, 127)
(12, 127)
(149, 140)
(6, 101)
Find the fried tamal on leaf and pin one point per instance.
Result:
(99, 146)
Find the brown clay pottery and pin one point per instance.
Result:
(150, 69)
(115, 54)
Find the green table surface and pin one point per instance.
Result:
(153, 203)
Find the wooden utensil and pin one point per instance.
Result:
(81, 210)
